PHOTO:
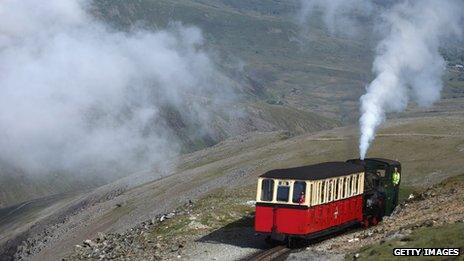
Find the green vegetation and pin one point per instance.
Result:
(450, 235)
(16, 188)
(406, 191)
(220, 208)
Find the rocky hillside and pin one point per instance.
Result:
(431, 218)
(434, 216)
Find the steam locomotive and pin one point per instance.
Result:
(316, 200)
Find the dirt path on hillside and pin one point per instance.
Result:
(420, 135)
(391, 135)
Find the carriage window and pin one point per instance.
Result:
(336, 192)
(343, 187)
(329, 190)
(355, 185)
(267, 189)
(348, 186)
(361, 183)
(299, 187)
(351, 185)
(322, 199)
(310, 193)
(317, 188)
(381, 173)
(283, 191)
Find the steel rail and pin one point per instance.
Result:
(270, 254)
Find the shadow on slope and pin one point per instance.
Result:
(238, 233)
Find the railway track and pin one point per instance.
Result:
(274, 253)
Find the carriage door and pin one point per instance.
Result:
(390, 192)
(282, 196)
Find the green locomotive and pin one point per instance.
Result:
(381, 188)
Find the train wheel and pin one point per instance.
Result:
(269, 240)
(272, 242)
(292, 242)
(374, 221)
(365, 222)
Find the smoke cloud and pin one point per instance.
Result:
(408, 65)
(339, 16)
(78, 96)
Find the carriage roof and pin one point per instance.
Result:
(375, 160)
(316, 171)
(388, 161)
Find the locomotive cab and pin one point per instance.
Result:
(379, 183)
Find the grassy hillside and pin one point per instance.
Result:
(446, 236)
(16, 188)
(308, 69)
(443, 226)
(304, 67)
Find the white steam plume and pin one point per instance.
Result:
(408, 64)
(78, 96)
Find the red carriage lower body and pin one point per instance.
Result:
(303, 221)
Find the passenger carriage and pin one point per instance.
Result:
(313, 200)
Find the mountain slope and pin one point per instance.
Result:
(278, 54)
(429, 155)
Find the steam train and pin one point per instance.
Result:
(317, 200)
